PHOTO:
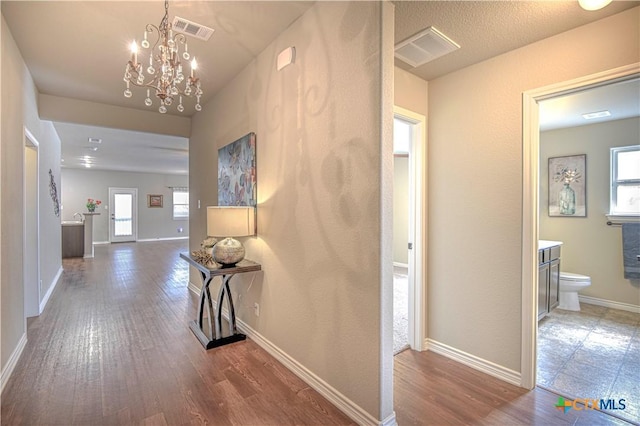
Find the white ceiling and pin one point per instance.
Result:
(122, 150)
(621, 99)
(485, 29)
(62, 41)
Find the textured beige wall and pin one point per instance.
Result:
(475, 181)
(318, 164)
(66, 110)
(410, 92)
(19, 110)
(12, 322)
(590, 246)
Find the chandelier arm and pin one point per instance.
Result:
(180, 38)
(151, 84)
(150, 28)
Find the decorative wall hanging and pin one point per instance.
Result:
(568, 186)
(53, 190)
(154, 200)
(237, 183)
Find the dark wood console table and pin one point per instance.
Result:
(211, 334)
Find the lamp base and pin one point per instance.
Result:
(228, 252)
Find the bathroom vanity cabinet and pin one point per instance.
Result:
(548, 277)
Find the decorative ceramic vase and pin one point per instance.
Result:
(228, 252)
(567, 200)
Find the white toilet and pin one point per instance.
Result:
(570, 285)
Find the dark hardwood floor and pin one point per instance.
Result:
(433, 390)
(113, 347)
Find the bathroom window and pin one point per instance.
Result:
(625, 181)
(180, 203)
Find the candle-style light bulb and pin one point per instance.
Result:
(134, 52)
(194, 66)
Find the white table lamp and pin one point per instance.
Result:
(229, 222)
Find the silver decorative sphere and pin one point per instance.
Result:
(228, 252)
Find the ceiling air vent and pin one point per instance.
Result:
(94, 140)
(424, 47)
(181, 25)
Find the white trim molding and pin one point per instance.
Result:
(530, 203)
(418, 220)
(610, 304)
(482, 365)
(53, 285)
(195, 289)
(13, 360)
(146, 240)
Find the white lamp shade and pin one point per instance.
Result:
(231, 221)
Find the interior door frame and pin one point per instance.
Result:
(530, 202)
(417, 227)
(134, 211)
(31, 290)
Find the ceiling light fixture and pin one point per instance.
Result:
(593, 4)
(164, 73)
(598, 114)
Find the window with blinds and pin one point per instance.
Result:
(180, 203)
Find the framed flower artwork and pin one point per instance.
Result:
(568, 186)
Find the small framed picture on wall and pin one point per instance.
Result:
(154, 200)
(568, 186)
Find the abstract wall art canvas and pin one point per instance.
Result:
(237, 184)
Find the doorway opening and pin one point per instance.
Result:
(31, 232)
(123, 214)
(531, 205)
(409, 237)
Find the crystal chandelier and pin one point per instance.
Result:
(164, 72)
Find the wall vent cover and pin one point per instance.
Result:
(184, 26)
(424, 47)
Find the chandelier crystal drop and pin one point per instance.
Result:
(164, 73)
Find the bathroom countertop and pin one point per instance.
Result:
(545, 244)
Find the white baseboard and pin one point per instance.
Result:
(474, 362)
(390, 421)
(13, 360)
(344, 404)
(401, 265)
(195, 289)
(144, 240)
(610, 304)
(53, 285)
